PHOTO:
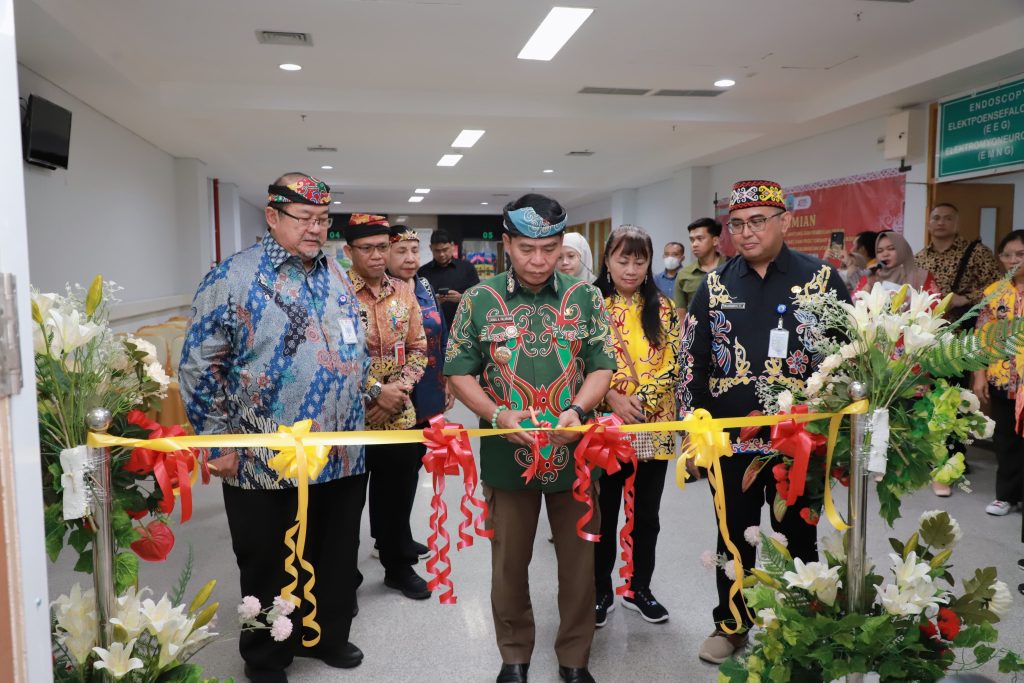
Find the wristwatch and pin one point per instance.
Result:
(373, 392)
(579, 411)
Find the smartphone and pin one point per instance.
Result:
(838, 241)
(442, 291)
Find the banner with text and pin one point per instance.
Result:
(832, 212)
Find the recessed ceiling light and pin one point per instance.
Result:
(555, 31)
(289, 67)
(402, 219)
(327, 168)
(725, 83)
(549, 170)
(468, 138)
(422, 190)
(336, 202)
(416, 198)
(483, 203)
(450, 160)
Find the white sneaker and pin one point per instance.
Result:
(998, 508)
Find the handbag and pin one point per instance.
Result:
(643, 442)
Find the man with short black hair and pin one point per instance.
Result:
(704, 235)
(450, 277)
(531, 346)
(672, 258)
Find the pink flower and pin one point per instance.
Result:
(249, 609)
(281, 629)
(781, 538)
(730, 570)
(752, 534)
(283, 607)
(708, 559)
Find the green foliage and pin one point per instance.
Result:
(126, 570)
(178, 594)
(956, 354)
(53, 522)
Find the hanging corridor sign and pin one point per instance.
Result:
(981, 132)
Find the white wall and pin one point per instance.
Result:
(112, 212)
(656, 213)
(593, 211)
(254, 223)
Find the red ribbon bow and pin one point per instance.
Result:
(447, 454)
(540, 464)
(604, 446)
(792, 438)
(171, 470)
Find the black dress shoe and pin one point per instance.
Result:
(266, 676)
(513, 673)
(575, 675)
(348, 657)
(411, 585)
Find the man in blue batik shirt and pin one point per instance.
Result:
(275, 338)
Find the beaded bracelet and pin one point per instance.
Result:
(494, 418)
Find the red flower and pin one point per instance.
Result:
(137, 514)
(949, 623)
(810, 516)
(156, 542)
(781, 472)
(928, 630)
(783, 488)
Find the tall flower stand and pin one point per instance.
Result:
(98, 473)
(856, 567)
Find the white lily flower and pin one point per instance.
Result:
(71, 331)
(909, 571)
(833, 545)
(163, 618)
(118, 660)
(767, 616)
(1002, 601)
(129, 613)
(77, 624)
(915, 338)
(815, 577)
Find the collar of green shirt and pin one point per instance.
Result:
(513, 286)
(693, 268)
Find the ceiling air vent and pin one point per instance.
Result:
(321, 148)
(580, 153)
(688, 93)
(593, 90)
(284, 38)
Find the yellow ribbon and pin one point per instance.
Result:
(302, 455)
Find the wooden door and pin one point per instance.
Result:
(970, 199)
(597, 234)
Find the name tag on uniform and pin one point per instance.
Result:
(400, 353)
(778, 343)
(348, 331)
(733, 305)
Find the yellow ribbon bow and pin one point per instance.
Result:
(707, 442)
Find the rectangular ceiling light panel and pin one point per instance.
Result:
(450, 160)
(554, 32)
(468, 138)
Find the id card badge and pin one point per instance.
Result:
(400, 353)
(778, 343)
(348, 331)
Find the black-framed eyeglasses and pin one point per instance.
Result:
(324, 222)
(756, 223)
(367, 249)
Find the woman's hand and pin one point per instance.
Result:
(628, 408)
(980, 386)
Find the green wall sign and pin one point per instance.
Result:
(981, 132)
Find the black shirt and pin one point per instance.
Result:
(458, 275)
(724, 352)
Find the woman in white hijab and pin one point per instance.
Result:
(577, 260)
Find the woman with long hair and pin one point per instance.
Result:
(645, 332)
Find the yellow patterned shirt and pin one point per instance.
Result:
(1007, 303)
(656, 366)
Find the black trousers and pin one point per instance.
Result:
(1009, 447)
(742, 510)
(394, 475)
(258, 520)
(649, 485)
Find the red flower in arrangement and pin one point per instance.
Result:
(810, 516)
(156, 542)
(781, 472)
(928, 630)
(949, 623)
(841, 476)
(137, 514)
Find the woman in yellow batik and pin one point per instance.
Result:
(645, 332)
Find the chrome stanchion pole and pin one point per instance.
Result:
(856, 568)
(98, 420)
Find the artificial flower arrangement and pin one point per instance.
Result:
(153, 639)
(898, 345)
(80, 364)
(913, 628)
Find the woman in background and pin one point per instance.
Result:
(896, 266)
(577, 260)
(1000, 384)
(645, 331)
(855, 266)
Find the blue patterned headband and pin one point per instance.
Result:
(528, 223)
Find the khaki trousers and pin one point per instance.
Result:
(513, 516)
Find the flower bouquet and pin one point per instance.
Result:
(896, 344)
(914, 629)
(153, 640)
(80, 364)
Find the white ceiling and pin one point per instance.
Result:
(390, 83)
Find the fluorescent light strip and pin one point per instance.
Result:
(450, 160)
(422, 190)
(554, 32)
(416, 198)
(468, 138)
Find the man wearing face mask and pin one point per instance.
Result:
(673, 259)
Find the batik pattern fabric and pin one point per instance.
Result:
(428, 397)
(982, 268)
(657, 367)
(389, 319)
(530, 350)
(1007, 303)
(265, 349)
(725, 366)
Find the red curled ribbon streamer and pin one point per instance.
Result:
(448, 452)
(540, 464)
(604, 446)
(171, 470)
(792, 438)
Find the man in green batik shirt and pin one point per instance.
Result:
(538, 340)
